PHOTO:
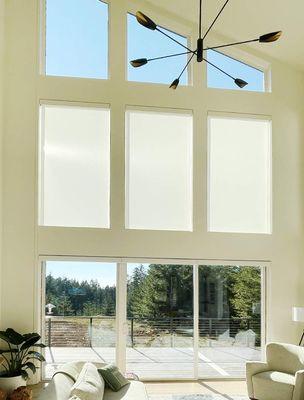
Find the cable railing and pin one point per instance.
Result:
(100, 331)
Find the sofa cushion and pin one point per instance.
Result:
(134, 391)
(113, 377)
(71, 370)
(89, 385)
(273, 385)
(58, 389)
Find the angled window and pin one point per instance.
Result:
(159, 170)
(239, 175)
(76, 38)
(216, 79)
(74, 166)
(145, 43)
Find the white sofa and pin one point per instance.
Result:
(281, 377)
(60, 386)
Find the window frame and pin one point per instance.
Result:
(86, 242)
(249, 59)
(40, 169)
(183, 28)
(42, 44)
(157, 110)
(246, 117)
(170, 26)
(121, 298)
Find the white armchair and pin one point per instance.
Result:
(281, 377)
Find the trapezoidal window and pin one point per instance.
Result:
(76, 42)
(239, 175)
(144, 43)
(158, 170)
(74, 166)
(236, 68)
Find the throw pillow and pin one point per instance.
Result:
(89, 384)
(113, 377)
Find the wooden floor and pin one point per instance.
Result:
(228, 388)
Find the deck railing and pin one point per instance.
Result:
(84, 331)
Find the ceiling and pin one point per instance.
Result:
(247, 19)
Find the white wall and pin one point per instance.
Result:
(23, 241)
(2, 21)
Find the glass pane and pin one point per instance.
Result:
(80, 309)
(75, 166)
(160, 320)
(239, 175)
(229, 320)
(144, 43)
(238, 69)
(77, 38)
(159, 171)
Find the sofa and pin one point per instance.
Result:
(63, 380)
(281, 377)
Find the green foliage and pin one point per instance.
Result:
(160, 291)
(167, 290)
(139, 294)
(18, 357)
(80, 298)
(245, 291)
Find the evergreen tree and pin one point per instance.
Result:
(160, 291)
(64, 305)
(79, 298)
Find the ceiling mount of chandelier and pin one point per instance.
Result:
(200, 49)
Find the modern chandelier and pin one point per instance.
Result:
(199, 52)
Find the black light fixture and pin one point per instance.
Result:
(199, 52)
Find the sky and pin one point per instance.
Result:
(104, 273)
(77, 46)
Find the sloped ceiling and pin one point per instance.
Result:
(246, 19)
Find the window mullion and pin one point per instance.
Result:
(117, 41)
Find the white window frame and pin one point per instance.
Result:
(84, 244)
(180, 29)
(246, 117)
(250, 60)
(127, 166)
(40, 171)
(42, 43)
(121, 301)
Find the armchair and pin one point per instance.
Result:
(281, 377)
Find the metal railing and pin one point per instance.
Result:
(82, 330)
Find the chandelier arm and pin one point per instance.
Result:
(231, 44)
(184, 69)
(174, 40)
(218, 68)
(170, 55)
(215, 19)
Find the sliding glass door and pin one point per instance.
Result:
(79, 313)
(230, 324)
(159, 321)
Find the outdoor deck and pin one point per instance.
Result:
(161, 363)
